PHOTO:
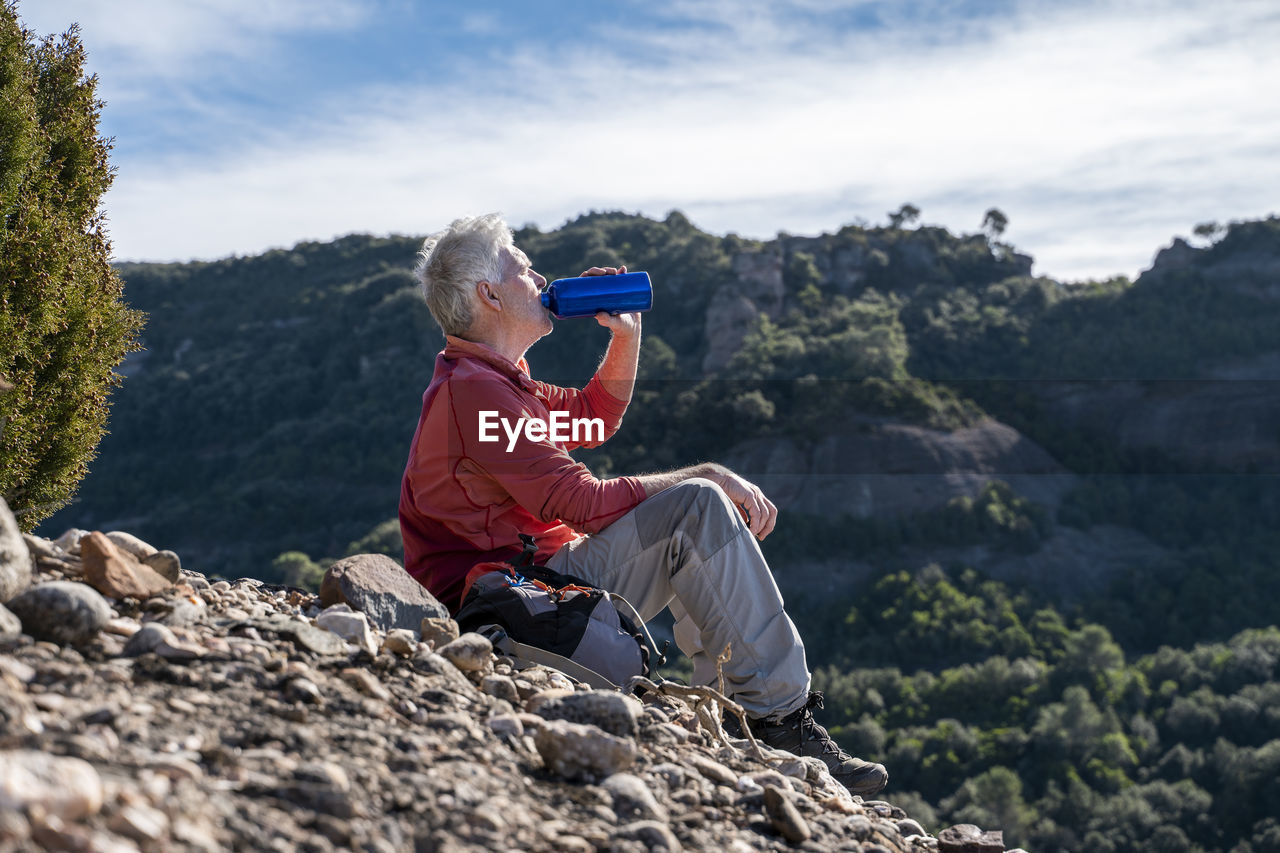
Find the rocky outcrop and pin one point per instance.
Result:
(732, 312)
(882, 469)
(1228, 422)
(205, 717)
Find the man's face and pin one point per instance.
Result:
(522, 305)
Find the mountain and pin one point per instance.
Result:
(1029, 524)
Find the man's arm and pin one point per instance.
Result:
(758, 511)
(617, 372)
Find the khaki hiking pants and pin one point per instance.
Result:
(688, 548)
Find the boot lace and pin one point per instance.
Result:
(809, 728)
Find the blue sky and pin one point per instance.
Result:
(1100, 129)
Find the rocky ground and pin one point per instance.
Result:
(143, 707)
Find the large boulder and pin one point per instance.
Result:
(382, 590)
(15, 558)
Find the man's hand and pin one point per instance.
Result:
(757, 510)
(622, 325)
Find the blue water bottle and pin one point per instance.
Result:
(584, 296)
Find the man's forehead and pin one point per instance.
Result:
(519, 257)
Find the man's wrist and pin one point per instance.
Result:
(713, 472)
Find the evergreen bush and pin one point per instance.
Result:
(63, 323)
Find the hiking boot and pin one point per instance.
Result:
(798, 734)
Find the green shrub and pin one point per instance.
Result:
(63, 324)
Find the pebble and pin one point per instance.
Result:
(166, 564)
(655, 836)
(303, 690)
(784, 815)
(469, 653)
(366, 683)
(68, 788)
(401, 641)
(62, 612)
(909, 827)
(438, 631)
(606, 709)
(713, 770)
(350, 626)
(501, 687)
(128, 543)
(632, 798)
(140, 822)
(582, 752)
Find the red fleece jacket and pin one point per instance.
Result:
(463, 501)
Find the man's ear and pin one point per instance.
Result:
(488, 295)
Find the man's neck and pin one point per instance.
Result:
(499, 343)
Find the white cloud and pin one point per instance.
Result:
(1100, 131)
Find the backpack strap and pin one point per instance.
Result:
(532, 654)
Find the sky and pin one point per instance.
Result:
(1100, 129)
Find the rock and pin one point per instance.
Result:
(366, 683)
(437, 631)
(469, 653)
(655, 836)
(632, 798)
(10, 625)
(501, 687)
(401, 641)
(909, 827)
(68, 788)
(303, 633)
(379, 587)
(506, 724)
(606, 709)
(69, 541)
(303, 690)
(62, 612)
(350, 626)
(712, 770)
(115, 572)
(967, 838)
(784, 815)
(582, 752)
(148, 638)
(166, 564)
(130, 544)
(140, 822)
(15, 558)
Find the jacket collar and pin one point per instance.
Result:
(516, 371)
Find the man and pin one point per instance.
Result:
(683, 539)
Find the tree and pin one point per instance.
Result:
(993, 223)
(906, 215)
(1210, 232)
(63, 323)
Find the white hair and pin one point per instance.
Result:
(472, 249)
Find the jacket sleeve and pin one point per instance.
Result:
(591, 402)
(542, 478)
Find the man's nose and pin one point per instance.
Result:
(542, 282)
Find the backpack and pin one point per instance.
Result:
(535, 615)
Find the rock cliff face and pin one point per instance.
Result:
(733, 309)
(214, 716)
(875, 468)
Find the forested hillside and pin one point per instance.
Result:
(1043, 511)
